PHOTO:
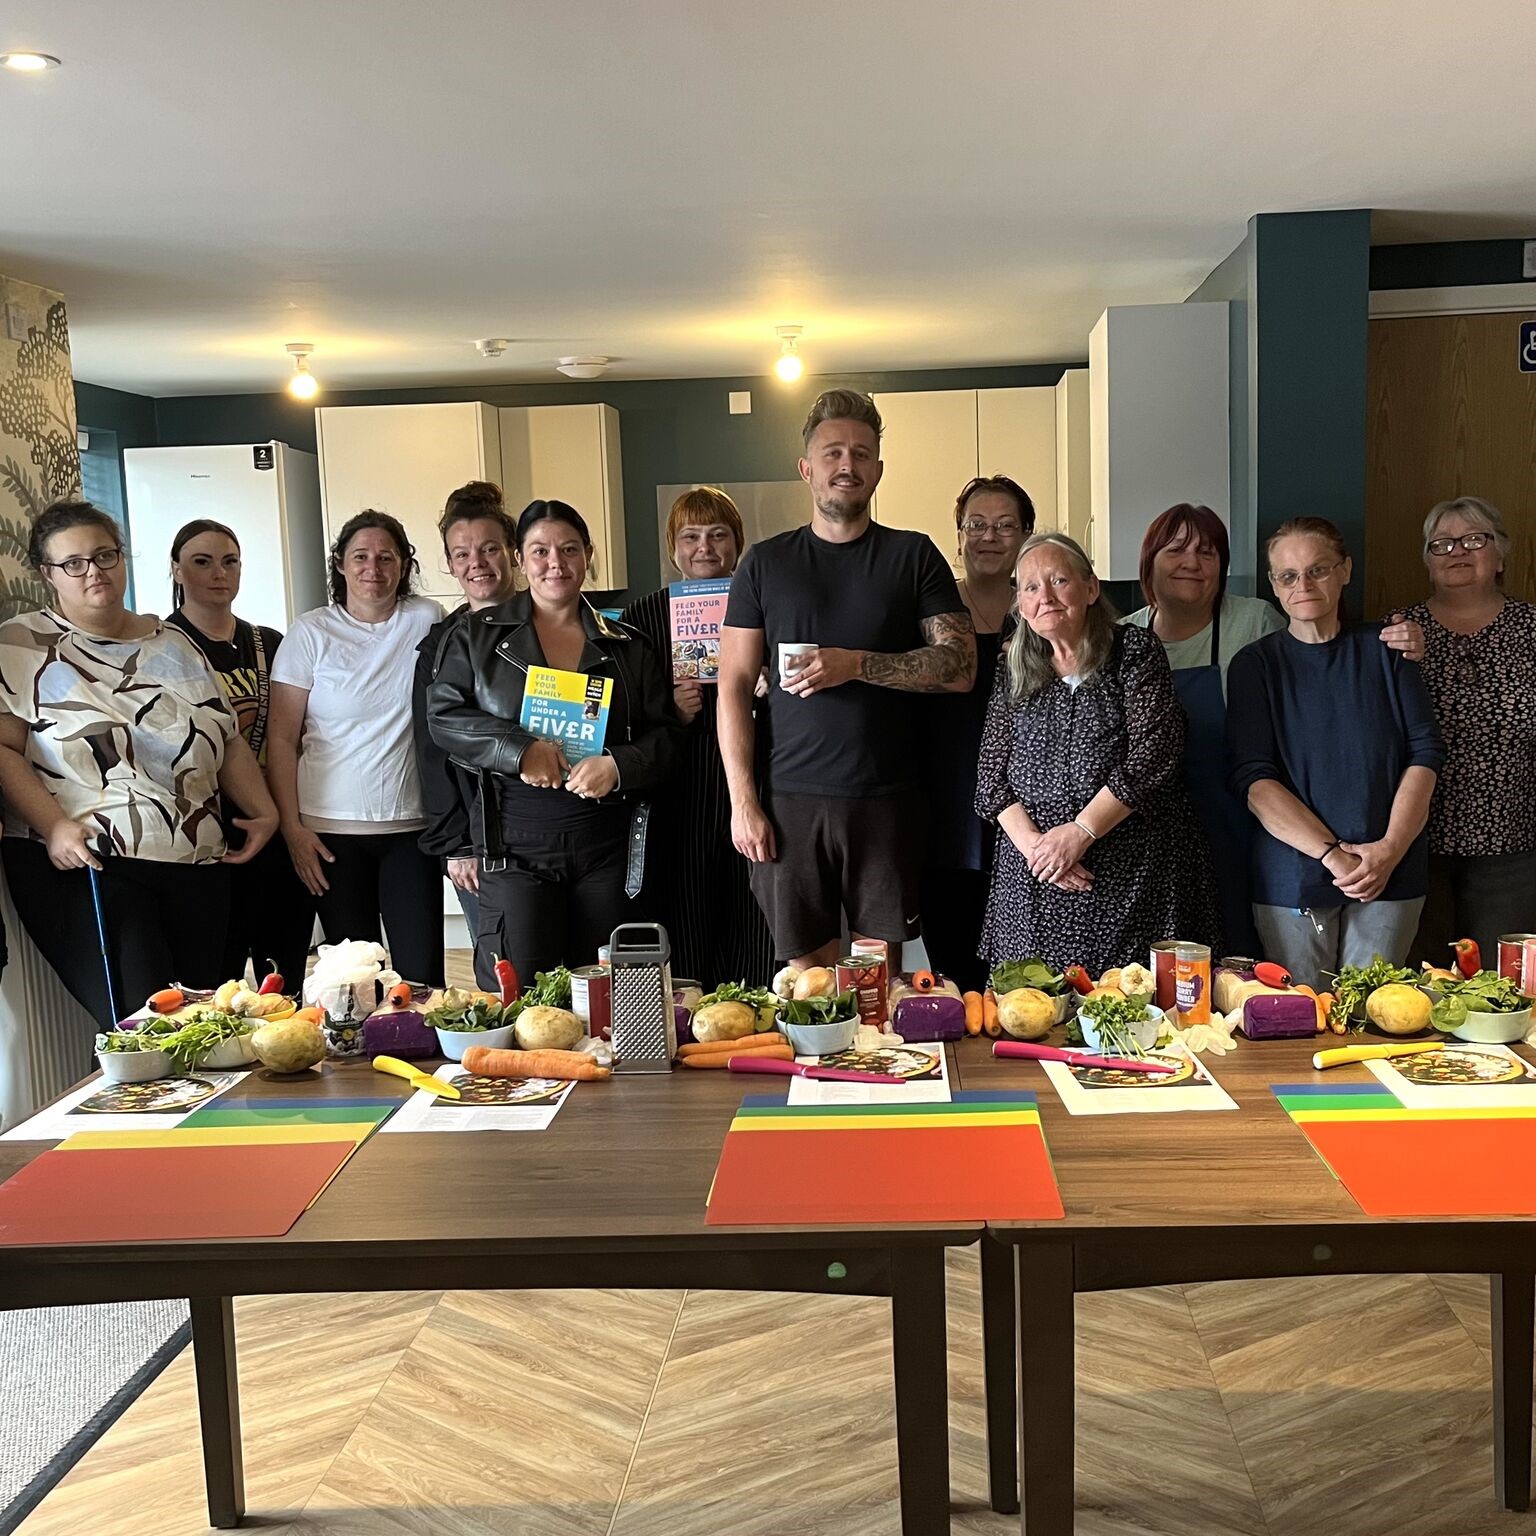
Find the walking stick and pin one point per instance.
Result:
(101, 936)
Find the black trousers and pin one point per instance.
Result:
(385, 874)
(271, 917)
(165, 923)
(560, 896)
(954, 905)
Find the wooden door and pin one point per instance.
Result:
(1450, 415)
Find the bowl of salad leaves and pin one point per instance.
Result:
(1485, 1007)
(1011, 975)
(131, 1056)
(818, 1026)
(1116, 1026)
(463, 1019)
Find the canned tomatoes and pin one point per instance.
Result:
(592, 999)
(864, 976)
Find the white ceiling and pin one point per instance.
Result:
(918, 184)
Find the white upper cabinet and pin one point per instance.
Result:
(937, 440)
(1157, 384)
(404, 460)
(570, 453)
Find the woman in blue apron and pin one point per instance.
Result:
(1185, 557)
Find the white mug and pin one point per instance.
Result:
(793, 648)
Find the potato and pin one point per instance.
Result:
(289, 1045)
(547, 1029)
(1398, 1009)
(818, 981)
(1026, 1013)
(724, 1021)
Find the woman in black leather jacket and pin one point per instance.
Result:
(561, 844)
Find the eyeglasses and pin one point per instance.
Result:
(976, 526)
(1467, 541)
(1315, 574)
(77, 565)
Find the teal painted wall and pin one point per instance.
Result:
(671, 430)
(131, 417)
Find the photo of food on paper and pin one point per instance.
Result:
(475, 1091)
(892, 1060)
(161, 1096)
(1184, 1072)
(1463, 1064)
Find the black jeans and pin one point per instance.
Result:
(271, 917)
(560, 896)
(385, 873)
(165, 923)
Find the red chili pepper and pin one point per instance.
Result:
(506, 979)
(272, 982)
(924, 981)
(1271, 975)
(1081, 981)
(1469, 958)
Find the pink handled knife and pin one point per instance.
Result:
(799, 1069)
(1076, 1058)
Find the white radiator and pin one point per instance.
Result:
(46, 1037)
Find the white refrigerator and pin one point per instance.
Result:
(268, 493)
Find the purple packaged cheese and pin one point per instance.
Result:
(935, 1016)
(401, 1032)
(1284, 1016)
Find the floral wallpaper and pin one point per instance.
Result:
(39, 446)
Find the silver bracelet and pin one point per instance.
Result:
(1082, 826)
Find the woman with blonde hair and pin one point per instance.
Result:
(1480, 669)
(699, 887)
(1101, 854)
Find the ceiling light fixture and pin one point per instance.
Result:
(24, 62)
(790, 365)
(582, 367)
(303, 385)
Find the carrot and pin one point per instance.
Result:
(167, 1001)
(310, 1015)
(924, 981)
(568, 1066)
(722, 1059)
(975, 1011)
(1324, 1008)
(757, 1042)
(989, 1016)
(399, 995)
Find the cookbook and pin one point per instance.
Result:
(570, 708)
(697, 612)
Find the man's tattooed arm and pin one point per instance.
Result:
(945, 663)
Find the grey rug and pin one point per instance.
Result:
(66, 1374)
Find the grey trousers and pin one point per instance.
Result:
(1320, 940)
(1476, 898)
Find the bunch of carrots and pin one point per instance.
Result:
(770, 1045)
(981, 1013)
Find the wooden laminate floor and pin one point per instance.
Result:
(1341, 1406)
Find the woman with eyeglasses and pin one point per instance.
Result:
(1480, 667)
(1185, 559)
(269, 920)
(993, 517)
(1332, 743)
(116, 747)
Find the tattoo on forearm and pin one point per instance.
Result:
(946, 659)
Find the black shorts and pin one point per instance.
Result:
(840, 854)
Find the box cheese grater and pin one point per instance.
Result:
(644, 1024)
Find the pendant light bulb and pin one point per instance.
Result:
(303, 385)
(789, 366)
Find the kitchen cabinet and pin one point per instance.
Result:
(1158, 410)
(404, 460)
(1074, 458)
(937, 440)
(570, 453)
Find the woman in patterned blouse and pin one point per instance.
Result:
(1480, 667)
(115, 744)
(1101, 855)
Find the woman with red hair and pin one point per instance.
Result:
(1185, 558)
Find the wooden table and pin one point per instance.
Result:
(612, 1195)
(1164, 1199)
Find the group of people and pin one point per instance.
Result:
(186, 796)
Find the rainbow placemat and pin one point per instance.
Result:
(982, 1156)
(1397, 1161)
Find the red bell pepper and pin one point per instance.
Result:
(272, 982)
(506, 979)
(1469, 958)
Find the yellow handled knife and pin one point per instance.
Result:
(1347, 1053)
(415, 1076)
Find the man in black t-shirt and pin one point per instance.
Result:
(838, 824)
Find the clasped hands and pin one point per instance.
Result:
(544, 766)
(1055, 857)
(1361, 870)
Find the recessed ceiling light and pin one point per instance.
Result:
(582, 367)
(27, 63)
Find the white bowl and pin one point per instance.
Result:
(134, 1066)
(228, 1054)
(1495, 1028)
(454, 1042)
(821, 1039)
(1146, 1032)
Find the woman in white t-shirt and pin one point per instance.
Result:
(340, 756)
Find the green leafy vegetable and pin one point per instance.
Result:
(1013, 974)
(1115, 1020)
(119, 1041)
(739, 992)
(550, 989)
(198, 1035)
(819, 1010)
(1481, 992)
(1354, 983)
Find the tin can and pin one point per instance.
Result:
(864, 976)
(872, 947)
(605, 955)
(1164, 961)
(1192, 964)
(1512, 959)
(1528, 968)
(592, 999)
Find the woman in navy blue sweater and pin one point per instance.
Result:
(1332, 744)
